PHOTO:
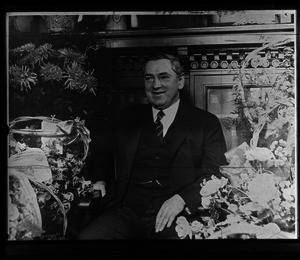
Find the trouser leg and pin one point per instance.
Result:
(124, 223)
(120, 223)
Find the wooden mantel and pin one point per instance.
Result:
(246, 34)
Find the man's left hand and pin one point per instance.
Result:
(168, 211)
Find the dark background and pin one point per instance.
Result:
(102, 108)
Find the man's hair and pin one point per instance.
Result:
(175, 63)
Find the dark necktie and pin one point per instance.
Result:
(158, 125)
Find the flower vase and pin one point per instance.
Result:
(115, 22)
(61, 23)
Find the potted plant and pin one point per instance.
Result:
(47, 83)
(44, 80)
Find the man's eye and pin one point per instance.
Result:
(164, 77)
(148, 78)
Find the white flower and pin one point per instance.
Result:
(284, 184)
(231, 219)
(279, 151)
(198, 236)
(282, 142)
(273, 145)
(21, 147)
(261, 154)
(250, 207)
(69, 156)
(86, 184)
(60, 163)
(279, 162)
(183, 227)
(288, 194)
(262, 188)
(212, 186)
(196, 226)
(205, 201)
(286, 204)
(233, 207)
(68, 196)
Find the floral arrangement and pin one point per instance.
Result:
(46, 175)
(56, 80)
(30, 64)
(256, 195)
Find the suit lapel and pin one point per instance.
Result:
(180, 127)
(134, 133)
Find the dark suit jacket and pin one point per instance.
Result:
(197, 148)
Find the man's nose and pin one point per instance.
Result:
(156, 83)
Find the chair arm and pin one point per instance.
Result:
(89, 203)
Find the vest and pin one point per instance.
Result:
(149, 182)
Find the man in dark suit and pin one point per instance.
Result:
(162, 152)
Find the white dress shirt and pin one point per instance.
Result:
(169, 116)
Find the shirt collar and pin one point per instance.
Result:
(169, 112)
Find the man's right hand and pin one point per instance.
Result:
(99, 189)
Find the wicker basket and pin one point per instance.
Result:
(67, 131)
(78, 130)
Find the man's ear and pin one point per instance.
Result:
(181, 82)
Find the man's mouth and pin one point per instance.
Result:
(158, 93)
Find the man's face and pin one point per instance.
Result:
(162, 84)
